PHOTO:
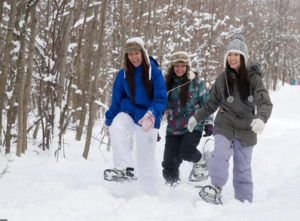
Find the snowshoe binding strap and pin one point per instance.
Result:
(211, 194)
(198, 177)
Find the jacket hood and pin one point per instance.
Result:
(255, 68)
(153, 62)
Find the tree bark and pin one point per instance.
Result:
(29, 75)
(139, 31)
(21, 74)
(95, 75)
(123, 31)
(208, 48)
(63, 58)
(152, 30)
(88, 55)
(160, 49)
(6, 60)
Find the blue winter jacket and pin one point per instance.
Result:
(121, 101)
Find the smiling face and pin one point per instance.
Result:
(179, 69)
(135, 58)
(234, 61)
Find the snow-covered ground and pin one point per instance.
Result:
(37, 187)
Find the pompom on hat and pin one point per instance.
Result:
(238, 45)
(136, 44)
(181, 57)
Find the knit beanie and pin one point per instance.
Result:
(136, 44)
(238, 45)
(181, 57)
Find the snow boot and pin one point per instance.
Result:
(173, 183)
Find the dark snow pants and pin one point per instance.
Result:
(242, 174)
(177, 149)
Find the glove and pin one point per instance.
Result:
(257, 126)
(106, 130)
(147, 121)
(208, 128)
(192, 123)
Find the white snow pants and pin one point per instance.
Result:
(120, 130)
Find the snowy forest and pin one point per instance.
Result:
(59, 58)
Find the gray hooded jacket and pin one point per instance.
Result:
(233, 119)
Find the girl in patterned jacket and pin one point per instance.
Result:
(186, 94)
(138, 100)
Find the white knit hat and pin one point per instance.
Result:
(136, 44)
(238, 45)
(183, 57)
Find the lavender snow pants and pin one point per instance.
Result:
(242, 174)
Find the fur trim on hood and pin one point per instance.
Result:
(181, 57)
(136, 44)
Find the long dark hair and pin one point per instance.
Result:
(242, 80)
(184, 90)
(145, 79)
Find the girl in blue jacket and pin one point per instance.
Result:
(138, 100)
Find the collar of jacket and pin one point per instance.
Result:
(177, 79)
(138, 69)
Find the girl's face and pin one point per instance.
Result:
(135, 58)
(234, 61)
(179, 69)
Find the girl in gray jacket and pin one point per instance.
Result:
(244, 108)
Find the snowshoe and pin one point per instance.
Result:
(200, 169)
(211, 194)
(118, 175)
(200, 176)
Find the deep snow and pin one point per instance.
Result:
(37, 187)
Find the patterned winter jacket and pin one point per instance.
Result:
(233, 119)
(178, 116)
(121, 101)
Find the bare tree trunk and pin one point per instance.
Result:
(275, 76)
(1, 10)
(95, 75)
(88, 55)
(62, 71)
(6, 60)
(139, 31)
(159, 52)
(29, 75)
(152, 30)
(130, 19)
(63, 58)
(147, 31)
(284, 65)
(36, 129)
(269, 70)
(77, 102)
(285, 42)
(21, 73)
(123, 31)
(180, 28)
(208, 49)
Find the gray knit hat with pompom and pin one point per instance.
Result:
(237, 45)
